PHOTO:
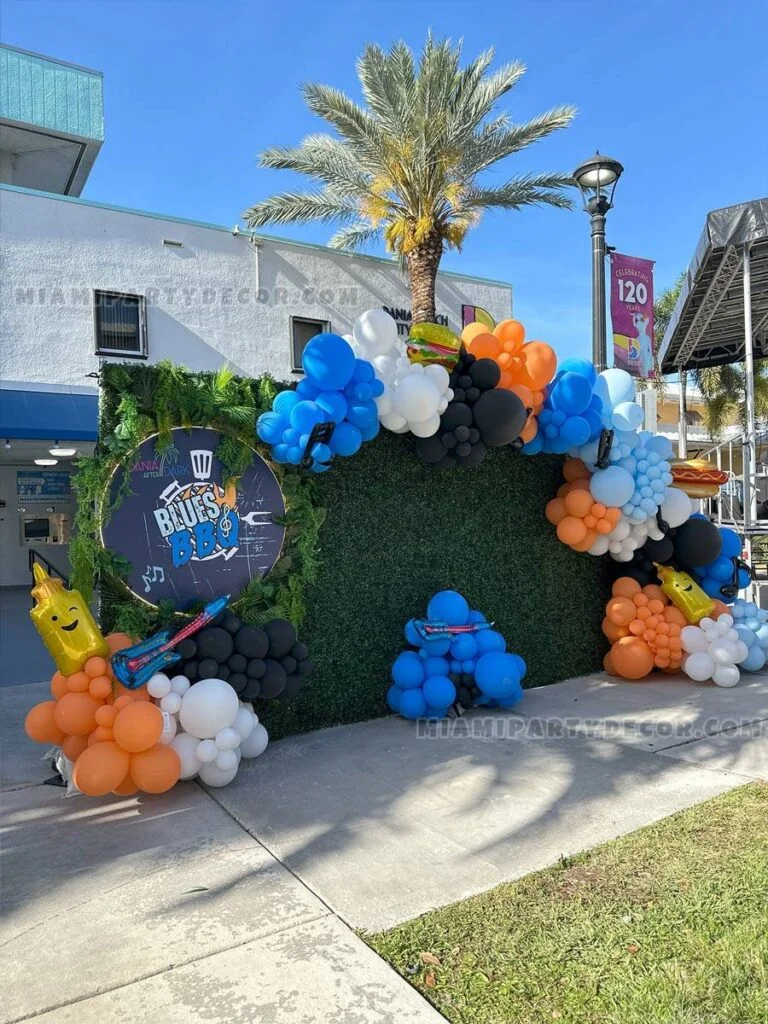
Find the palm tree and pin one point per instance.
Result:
(406, 165)
(663, 308)
(723, 389)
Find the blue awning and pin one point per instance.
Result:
(48, 415)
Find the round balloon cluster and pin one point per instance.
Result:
(256, 661)
(724, 574)
(211, 729)
(337, 388)
(480, 415)
(572, 412)
(446, 667)
(644, 630)
(713, 651)
(525, 367)
(413, 393)
(751, 625)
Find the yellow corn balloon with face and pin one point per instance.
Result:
(64, 621)
(685, 593)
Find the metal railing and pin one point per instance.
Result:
(50, 568)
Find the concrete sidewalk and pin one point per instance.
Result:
(237, 904)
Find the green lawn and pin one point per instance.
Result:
(668, 924)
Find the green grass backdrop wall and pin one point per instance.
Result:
(396, 533)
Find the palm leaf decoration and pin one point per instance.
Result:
(723, 389)
(404, 167)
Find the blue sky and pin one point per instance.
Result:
(193, 91)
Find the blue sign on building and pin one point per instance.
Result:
(42, 485)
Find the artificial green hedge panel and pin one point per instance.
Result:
(396, 532)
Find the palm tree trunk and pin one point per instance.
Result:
(423, 262)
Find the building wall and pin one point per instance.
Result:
(219, 298)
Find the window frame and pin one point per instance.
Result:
(142, 308)
(325, 327)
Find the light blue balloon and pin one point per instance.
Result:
(753, 623)
(750, 608)
(755, 659)
(661, 445)
(614, 386)
(627, 416)
(762, 634)
(613, 486)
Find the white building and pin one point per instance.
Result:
(83, 282)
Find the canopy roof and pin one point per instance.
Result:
(707, 325)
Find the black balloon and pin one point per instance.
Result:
(697, 542)
(187, 649)
(477, 453)
(190, 670)
(292, 687)
(256, 668)
(252, 642)
(499, 416)
(304, 667)
(237, 662)
(430, 449)
(458, 414)
(214, 642)
(238, 681)
(462, 433)
(274, 680)
(281, 635)
(485, 374)
(231, 623)
(289, 663)
(223, 672)
(300, 651)
(659, 551)
(251, 690)
(208, 668)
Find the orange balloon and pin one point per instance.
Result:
(95, 667)
(599, 509)
(472, 330)
(78, 682)
(510, 332)
(526, 397)
(157, 769)
(119, 690)
(637, 627)
(106, 714)
(73, 746)
(613, 515)
(555, 511)
(530, 430)
(506, 380)
(603, 526)
(138, 727)
(614, 632)
(632, 658)
(625, 586)
(656, 607)
(608, 665)
(721, 608)
(123, 701)
(485, 346)
(620, 610)
(101, 768)
(587, 542)
(590, 521)
(578, 503)
(654, 593)
(674, 616)
(540, 363)
(641, 600)
(574, 469)
(40, 724)
(100, 734)
(571, 530)
(59, 685)
(76, 713)
(127, 787)
(118, 642)
(100, 687)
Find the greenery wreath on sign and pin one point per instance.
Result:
(138, 401)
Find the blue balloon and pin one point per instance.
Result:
(744, 579)
(322, 453)
(439, 691)
(535, 446)
(575, 431)
(334, 404)
(412, 704)
(294, 454)
(328, 362)
(755, 659)
(280, 453)
(362, 414)
(408, 670)
(435, 712)
(464, 647)
(513, 698)
(612, 486)
(270, 427)
(364, 371)
(497, 674)
(712, 588)
(731, 543)
(721, 569)
(305, 415)
(475, 616)
(412, 634)
(581, 366)
(371, 430)
(437, 646)
(521, 664)
(436, 667)
(346, 439)
(455, 666)
(468, 666)
(570, 394)
(394, 693)
(489, 640)
(284, 402)
(306, 389)
(450, 607)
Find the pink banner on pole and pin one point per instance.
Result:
(632, 314)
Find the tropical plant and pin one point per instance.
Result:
(662, 314)
(406, 166)
(724, 393)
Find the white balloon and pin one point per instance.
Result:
(439, 375)
(226, 760)
(416, 397)
(385, 403)
(208, 706)
(386, 367)
(723, 654)
(180, 685)
(699, 666)
(256, 743)
(428, 427)
(244, 722)
(375, 331)
(693, 639)
(443, 404)
(228, 739)
(395, 422)
(707, 624)
(724, 624)
(726, 675)
(741, 651)
(170, 729)
(171, 703)
(621, 530)
(214, 777)
(676, 507)
(159, 685)
(600, 545)
(185, 746)
(206, 751)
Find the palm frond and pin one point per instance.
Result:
(320, 156)
(502, 140)
(354, 237)
(300, 208)
(521, 191)
(357, 127)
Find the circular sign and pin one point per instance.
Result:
(187, 536)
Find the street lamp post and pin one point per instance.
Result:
(597, 179)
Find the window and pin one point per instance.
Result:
(121, 324)
(302, 332)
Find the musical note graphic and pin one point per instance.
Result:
(152, 574)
